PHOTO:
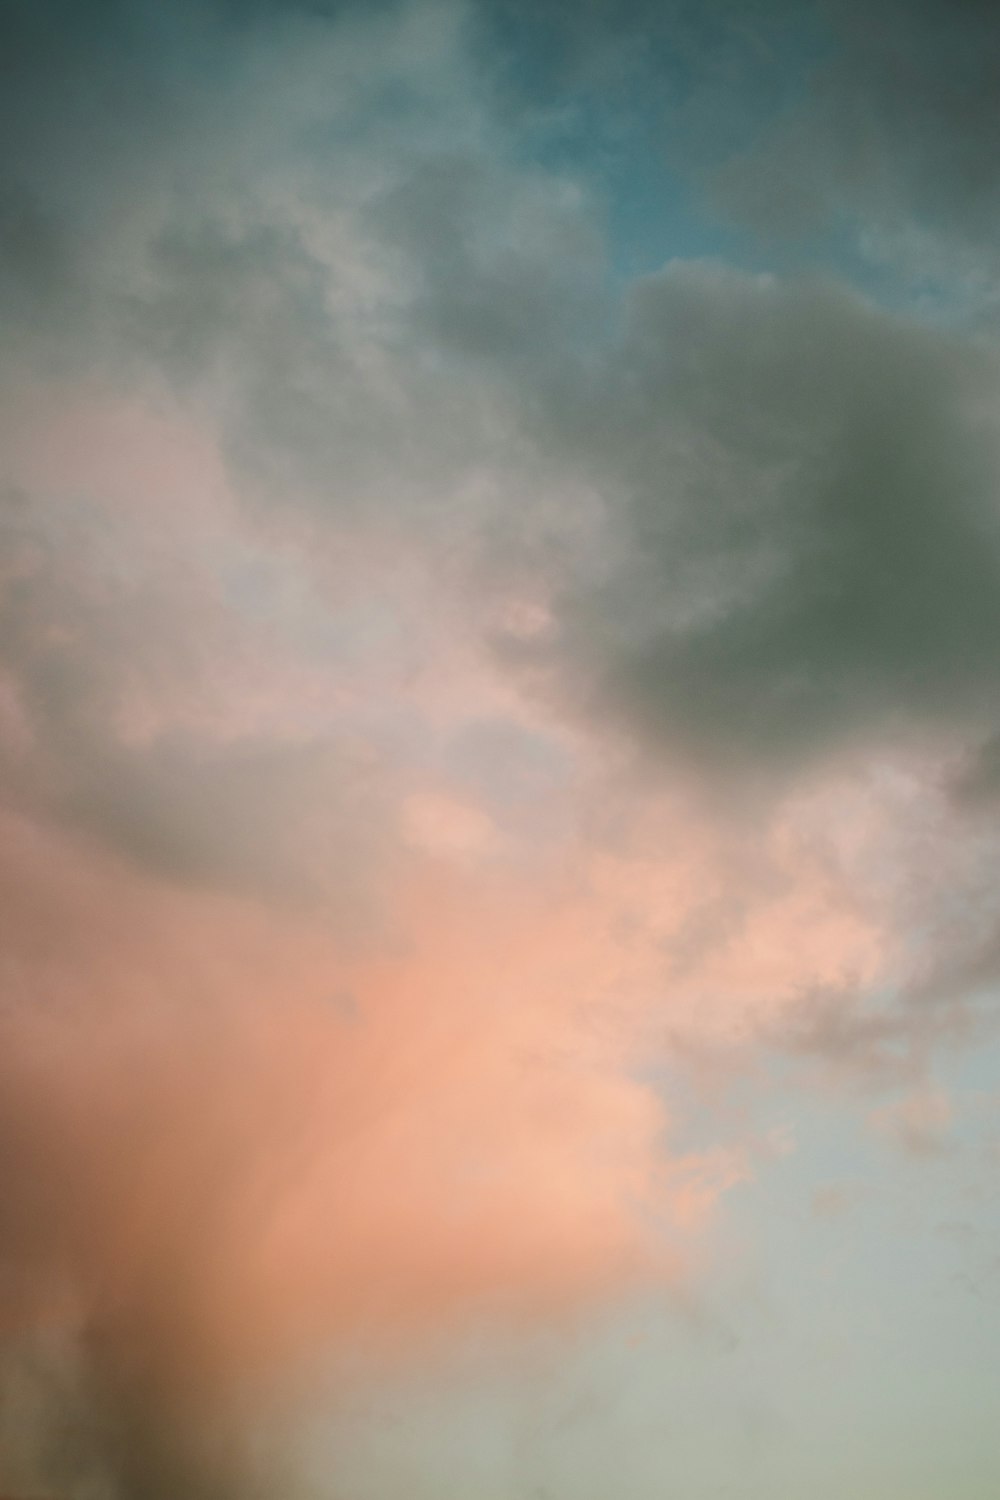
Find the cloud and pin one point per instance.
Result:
(214, 1176)
(894, 135)
(394, 607)
(919, 1123)
(800, 536)
(145, 708)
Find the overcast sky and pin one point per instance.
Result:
(499, 749)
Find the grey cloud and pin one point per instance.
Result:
(149, 242)
(975, 782)
(258, 211)
(102, 106)
(508, 270)
(89, 625)
(776, 503)
(896, 133)
(803, 542)
(297, 823)
(267, 207)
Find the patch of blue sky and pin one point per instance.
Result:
(816, 1139)
(647, 129)
(651, 108)
(855, 1284)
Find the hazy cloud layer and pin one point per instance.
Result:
(448, 681)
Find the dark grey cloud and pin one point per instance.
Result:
(803, 536)
(895, 135)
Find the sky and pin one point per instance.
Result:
(499, 749)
